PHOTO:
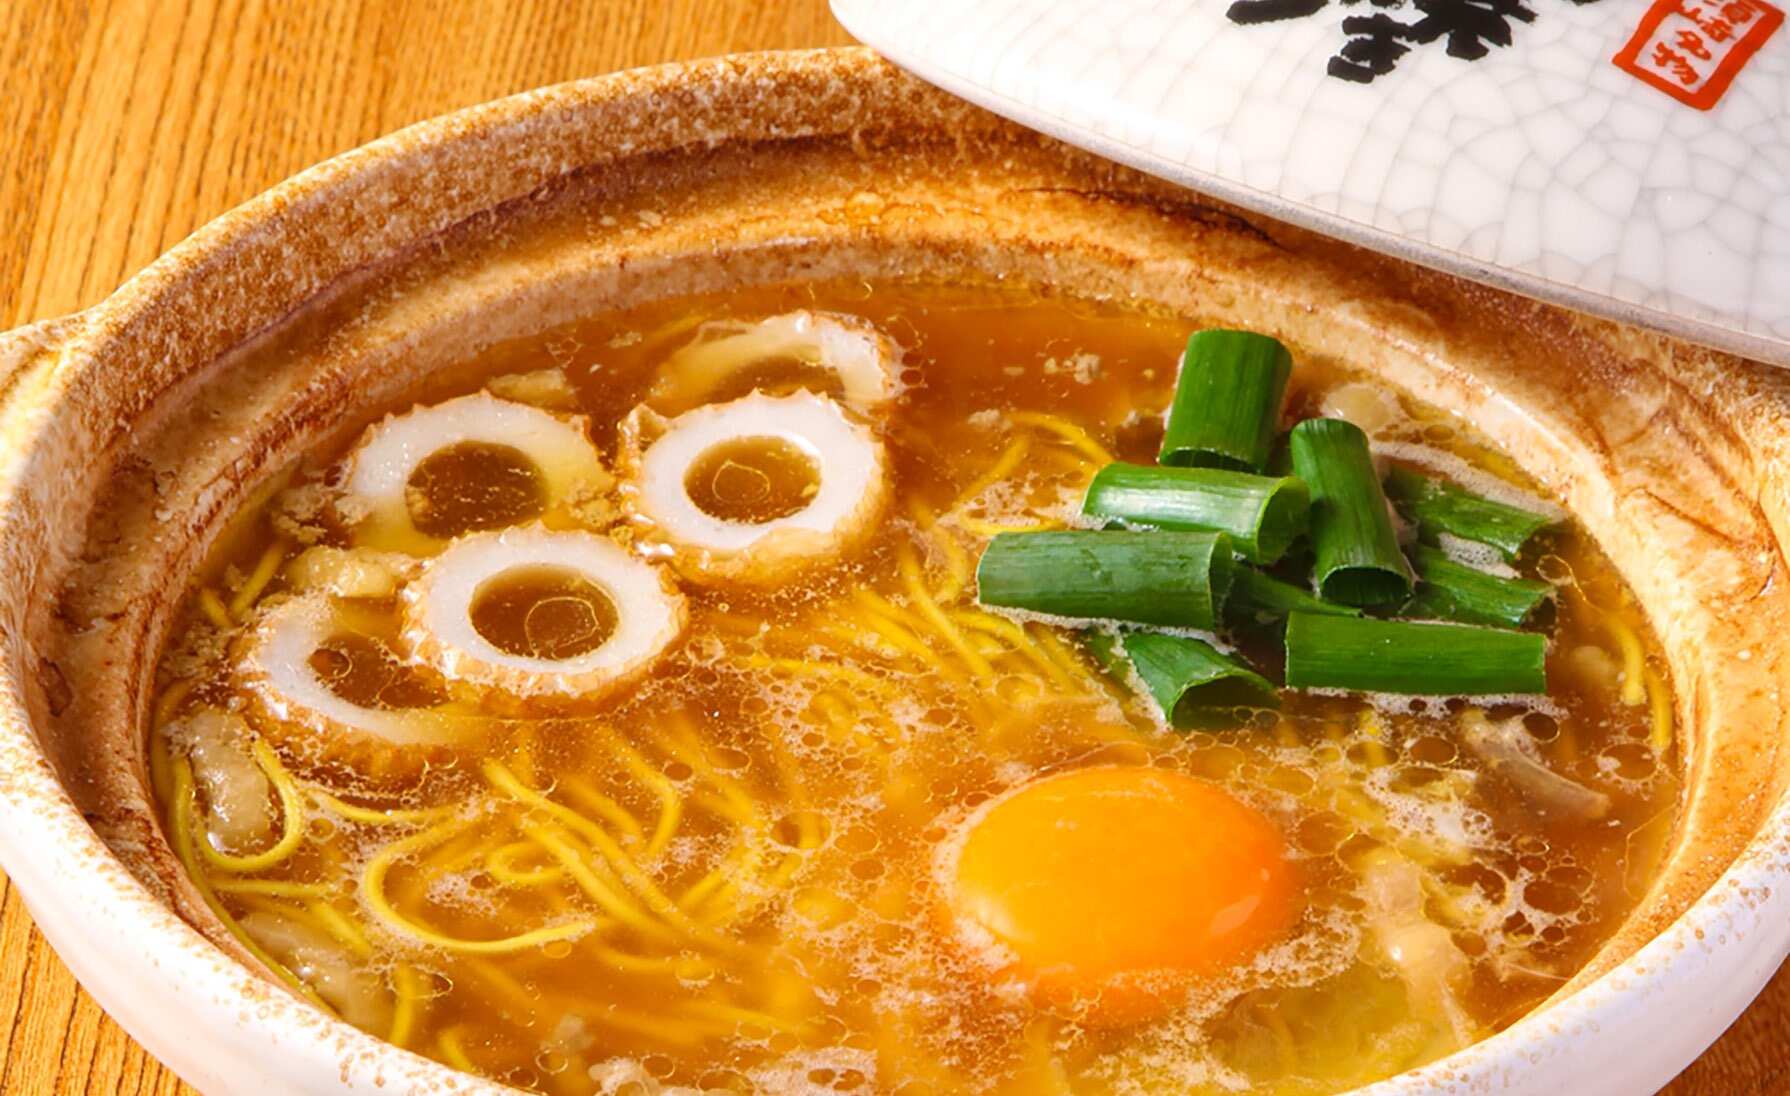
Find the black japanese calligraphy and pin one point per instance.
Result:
(1375, 40)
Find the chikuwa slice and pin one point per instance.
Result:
(331, 694)
(419, 479)
(847, 355)
(756, 490)
(541, 614)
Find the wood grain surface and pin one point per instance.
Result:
(126, 124)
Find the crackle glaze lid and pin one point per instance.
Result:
(1626, 158)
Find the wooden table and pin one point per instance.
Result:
(126, 124)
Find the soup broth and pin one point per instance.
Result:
(743, 867)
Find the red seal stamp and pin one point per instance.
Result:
(1693, 49)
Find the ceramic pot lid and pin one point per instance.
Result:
(1622, 158)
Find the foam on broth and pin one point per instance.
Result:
(790, 777)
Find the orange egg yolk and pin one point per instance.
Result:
(1113, 888)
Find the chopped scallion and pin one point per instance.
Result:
(1449, 590)
(1227, 401)
(1261, 514)
(1172, 579)
(1358, 558)
(1257, 596)
(1399, 656)
(1193, 683)
(1438, 507)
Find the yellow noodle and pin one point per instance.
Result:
(875, 604)
(500, 863)
(376, 816)
(712, 896)
(823, 669)
(872, 603)
(1634, 661)
(722, 807)
(987, 645)
(849, 636)
(1059, 652)
(595, 881)
(171, 699)
(372, 892)
(682, 966)
(181, 810)
(341, 928)
(1015, 635)
(809, 832)
(310, 913)
(292, 818)
(604, 806)
(447, 1044)
(897, 636)
(1069, 460)
(460, 854)
(407, 996)
(503, 982)
(999, 470)
(916, 589)
(1095, 684)
(784, 872)
(681, 742)
(1660, 737)
(1372, 733)
(214, 609)
(724, 905)
(252, 587)
(994, 528)
(671, 329)
(699, 891)
(957, 564)
(1080, 439)
(671, 804)
(501, 778)
(522, 753)
(619, 861)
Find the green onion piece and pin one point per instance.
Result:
(1359, 562)
(1447, 590)
(1401, 656)
(1261, 515)
(1193, 684)
(1264, 597)
(1227, 401)
(1173, 579)
(1438, 507)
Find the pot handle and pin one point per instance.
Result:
(32, 347)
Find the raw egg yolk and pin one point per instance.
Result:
(1112, 888)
